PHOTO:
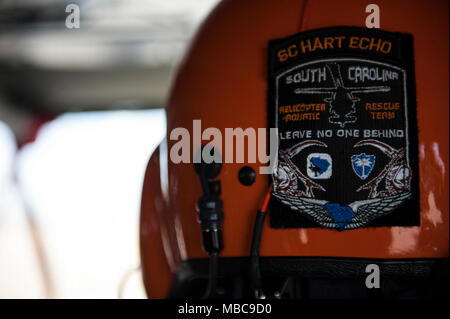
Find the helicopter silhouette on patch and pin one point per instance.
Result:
(341, 98)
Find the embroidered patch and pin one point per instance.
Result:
(363, 164)
(343, 100)
(319, 166)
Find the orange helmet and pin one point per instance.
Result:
(361, 170)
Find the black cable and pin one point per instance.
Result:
(255, 270)
(210, 217)
(212, 279)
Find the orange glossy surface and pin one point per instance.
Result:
(222, 81)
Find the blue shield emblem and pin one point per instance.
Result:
(363, 164)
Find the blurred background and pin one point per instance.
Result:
(81, 110)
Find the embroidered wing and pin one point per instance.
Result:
(370, 209)
(365, 210)
(313, 208)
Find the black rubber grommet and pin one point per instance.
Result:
(247, 175)
(211, 170)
